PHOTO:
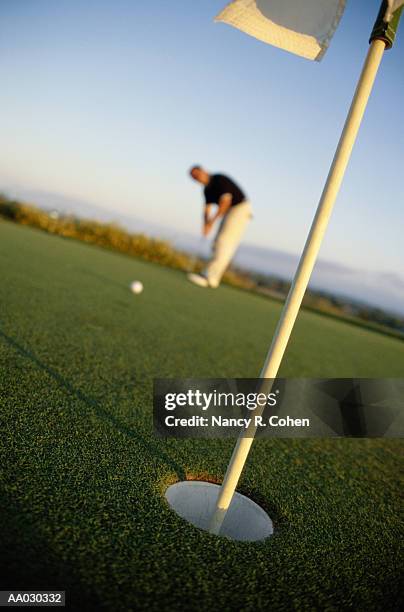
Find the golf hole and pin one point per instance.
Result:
(194, 501)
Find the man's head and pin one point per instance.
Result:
(200, 175)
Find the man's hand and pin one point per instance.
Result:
(223, 207)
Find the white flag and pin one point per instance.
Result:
(392, 5)
(304, 27)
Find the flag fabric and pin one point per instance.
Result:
(303, 27)
(392, 6)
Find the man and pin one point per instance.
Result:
(233, 211)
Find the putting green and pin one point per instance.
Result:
(82, 477)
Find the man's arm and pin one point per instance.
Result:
(223, 206)
(206, 212)
(206, 217)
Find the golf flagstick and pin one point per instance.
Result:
(379, 41)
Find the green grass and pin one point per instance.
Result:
(82, 476)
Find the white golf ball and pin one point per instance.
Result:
(136, 287)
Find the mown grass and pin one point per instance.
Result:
(82, 477)
(113, 237)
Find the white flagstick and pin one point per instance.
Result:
(304, 270)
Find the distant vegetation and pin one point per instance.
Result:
(112, 236)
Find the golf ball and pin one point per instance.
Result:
(136, 287)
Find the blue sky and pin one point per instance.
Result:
(111, 102)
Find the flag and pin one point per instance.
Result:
(392, 6)
(303, 27)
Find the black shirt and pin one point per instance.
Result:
(220, 184)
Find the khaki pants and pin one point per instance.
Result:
(227, 239)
